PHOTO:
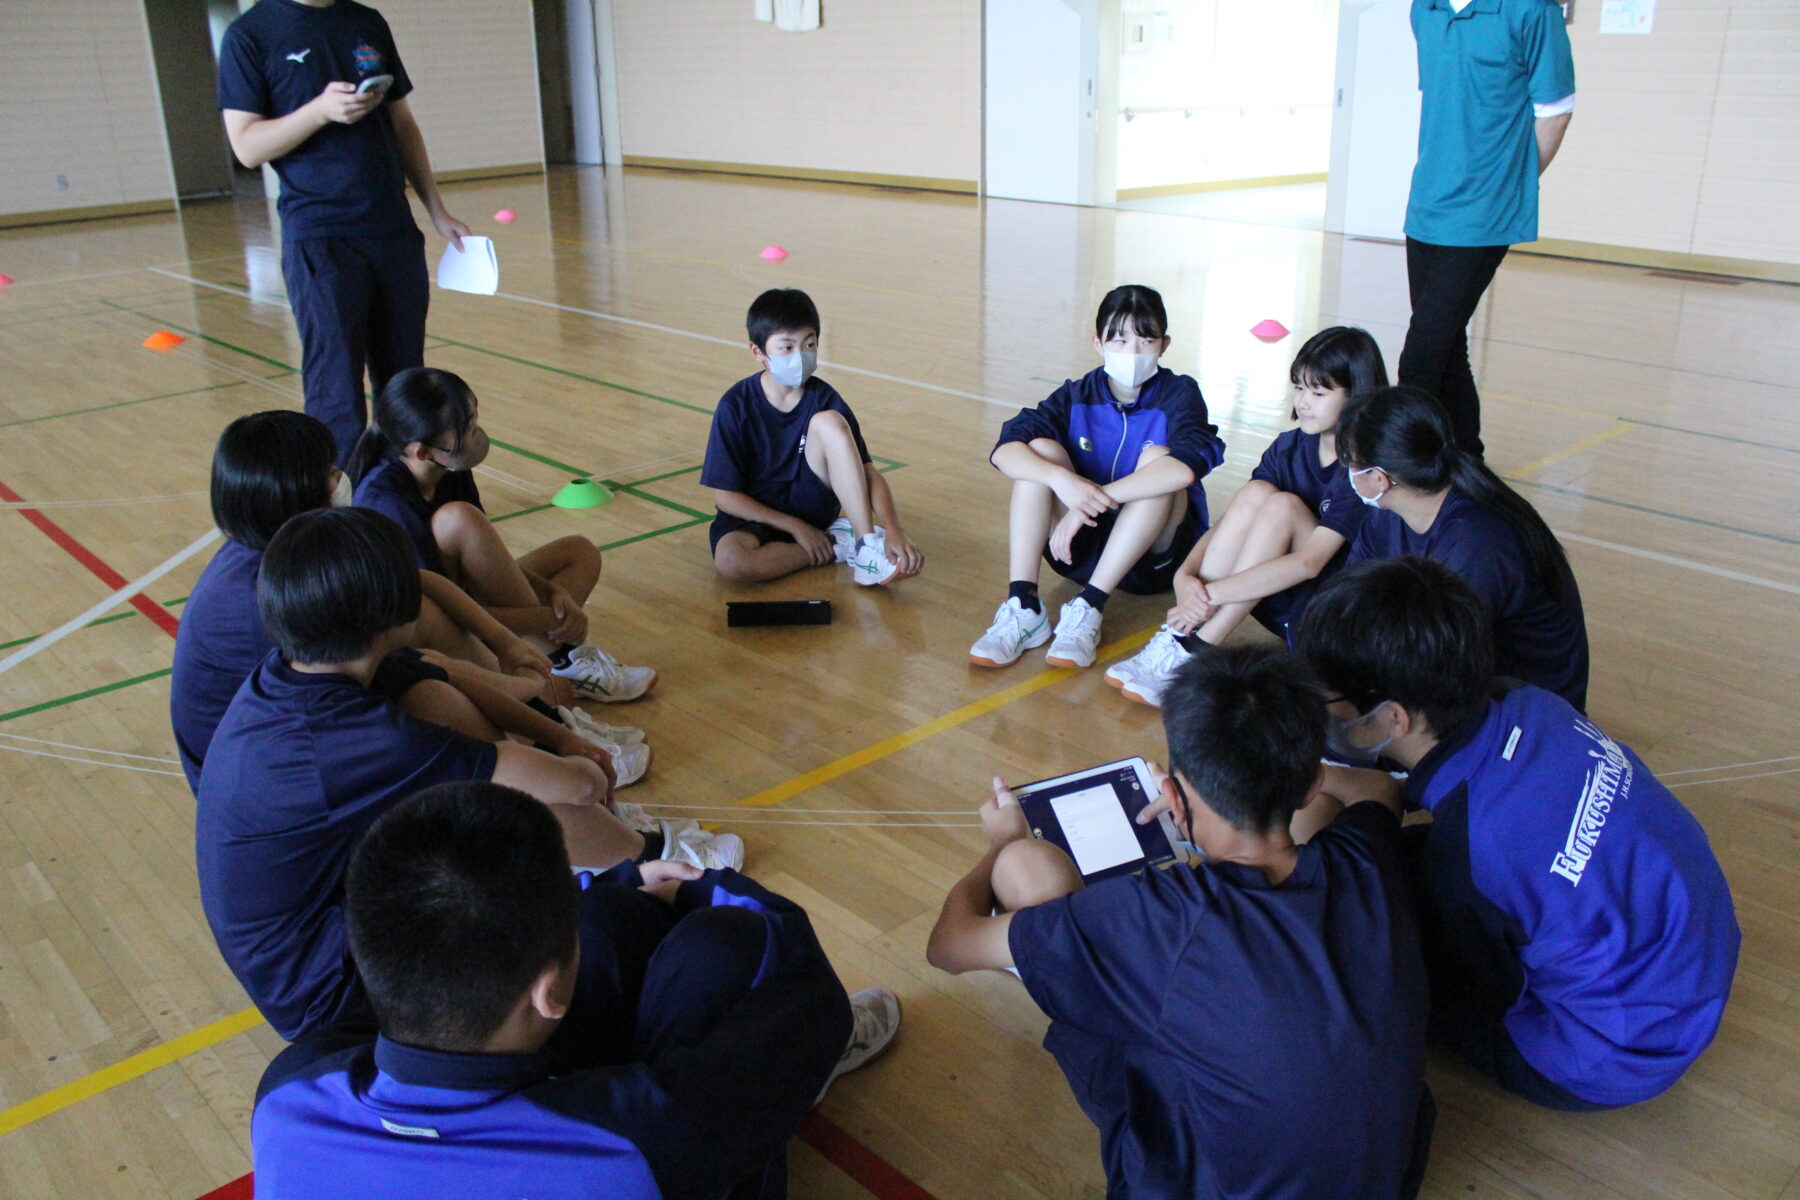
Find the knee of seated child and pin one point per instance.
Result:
(1150, 454)
(1287, 507)
(1050, 448)
(1030, 872)
(731, 557)
(577, 551)
(828, 424)
(455, 517)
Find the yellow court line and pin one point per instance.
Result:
(142, 1063)
(125, 1070)
(1586, 443)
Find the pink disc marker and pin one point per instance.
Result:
(506, 216)
(772, 254)
(1270, 330)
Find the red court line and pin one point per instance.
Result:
(87, 558)
(875, 1174)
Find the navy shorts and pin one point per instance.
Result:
(806, 497)
(1151, 574)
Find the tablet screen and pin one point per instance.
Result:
(1091, 814)
(1099, 833)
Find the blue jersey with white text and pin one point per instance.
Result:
(1556, 856)
(1104, 438)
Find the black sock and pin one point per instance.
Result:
(1192, 644)
(1094, 596)
(1025, 592)
(653, 847)
(559, 657)
(538, 706)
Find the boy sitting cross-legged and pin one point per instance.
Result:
(1250, 1026)
(786, 457)
(646, 1036)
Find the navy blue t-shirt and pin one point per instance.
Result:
(1558, 863)
(344, 180)
(390, 489)
(1291, 463)
(757, 449)
(1536, 639)
(1231, 1037)
(701, 1106)
(1104, 438)
(298, 770)
(219, 642)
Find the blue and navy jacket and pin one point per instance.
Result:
(353, 1115)
(1559, 864)
(1104, 437)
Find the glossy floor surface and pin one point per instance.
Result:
(1655, 421)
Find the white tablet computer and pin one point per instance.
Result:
(1093, 815)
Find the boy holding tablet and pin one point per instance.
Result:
(1253, 1025)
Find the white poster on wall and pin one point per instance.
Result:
(1627, 16)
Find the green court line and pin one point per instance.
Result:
(98, 691)
(203, 336)
(124, 616)
(630, 490)
(517, 512)
(1656, 512)
(643, 537)
(667, 475)
(1715, 436)
(534, 456)
(564, 371)
(78, 412)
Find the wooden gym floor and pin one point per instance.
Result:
(1654, 419)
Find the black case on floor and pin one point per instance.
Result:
(778, 612)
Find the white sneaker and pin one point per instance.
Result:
(1153, 667)
(618, 735)
(1015, 630)
(630, 760)
(633, 817)
(869, 563)
(843, 539)
(1077, 635)
(708, 851)
(876, 1016)
(597, 675)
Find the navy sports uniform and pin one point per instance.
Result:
(1104, 439)
(219, 642)
(1536, 639)
(1233, 1037)
(390, 489)
(299, 768)
(1291, 464)
(1579, 932)
(728, 1036)
(352, 257)
(757, 449)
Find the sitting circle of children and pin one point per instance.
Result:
(500, 979)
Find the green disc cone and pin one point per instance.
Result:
(581, 493)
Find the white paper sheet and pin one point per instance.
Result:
(1100, 834)
(1627, 16)
(476, 269)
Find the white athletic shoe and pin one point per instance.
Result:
(1077, 635)
(843, 539)
(633, 817)
(1015, 630)
(876, 1016)
(630, 760)
(708, 851)
(1153, 667)
(618, 735)
(597, 675)
(869, 563)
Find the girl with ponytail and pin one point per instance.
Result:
(1434, 500)
(1284, 532)
(415, 463)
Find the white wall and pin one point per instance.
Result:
(1042, 72)
(474, 65)
(79, 100)
(1375, 134)
(880, 88)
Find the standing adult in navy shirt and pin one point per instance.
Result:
(1497, 84)
(354, 261)
(1253, 1025)
(1578, 930)
(1436, 500)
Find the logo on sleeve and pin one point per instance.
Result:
(1085, 444)
(368, 59)
(418, 1131)
(299, 56)
(1609, 779)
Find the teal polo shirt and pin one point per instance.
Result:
(1481, 70)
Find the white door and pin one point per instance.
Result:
(1040, 99)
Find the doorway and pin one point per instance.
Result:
(184, 36)
(569, 80)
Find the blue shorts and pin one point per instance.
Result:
(1151, 574)
(805, 497)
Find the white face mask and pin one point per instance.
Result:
(1371, 501)
(1342, 737)
(1129, 370)
(792, 370)
(341, 491)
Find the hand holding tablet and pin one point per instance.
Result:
(1093, 814)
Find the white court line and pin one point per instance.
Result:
(1732, 778)
(85, 749)
(92, 762)
(119, 597)
(25, 283)
(1689, 563)
(1761, 762)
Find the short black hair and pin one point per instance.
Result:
(456, 901)
(334, 580)
(267, 467)
(1245, 727)
(780, 310)
(1402, 629)
(1133, 308)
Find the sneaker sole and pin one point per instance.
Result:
(1030, 643)
(1135, 698)
(1118, 683)
(1068, 663)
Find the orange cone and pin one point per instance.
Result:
(162, 339)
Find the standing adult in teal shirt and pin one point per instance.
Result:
(1498, 84)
